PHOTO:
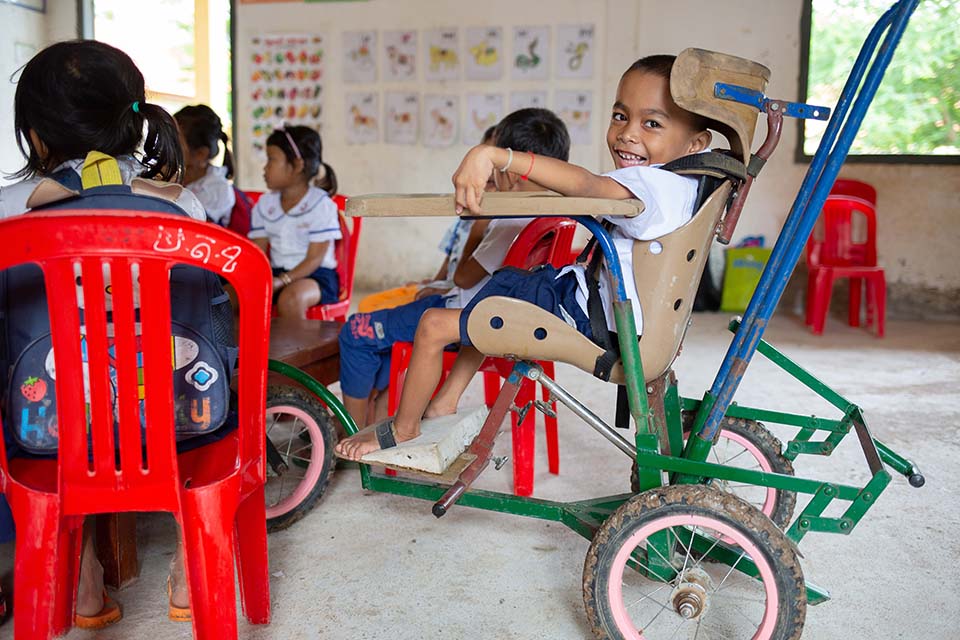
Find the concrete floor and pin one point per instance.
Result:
(365, 565)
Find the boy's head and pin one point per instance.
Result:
(647, 127)
(530, 130)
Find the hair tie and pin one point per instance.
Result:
(135, 106)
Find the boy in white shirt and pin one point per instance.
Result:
(647, 129)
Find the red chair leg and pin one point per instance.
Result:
(853, 310)
(69, 549)
(823, 289)
(253, 565)
(811, 301)
(491, 387)
(35, 569)
(524, 442)
(877, 303)
(208, 522)
(550, 423)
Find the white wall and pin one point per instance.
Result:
(918, 205)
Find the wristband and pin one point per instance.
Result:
(526, 176)
(509, 160)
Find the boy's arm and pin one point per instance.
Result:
(469, 272)
(311, 262)
(550, 173)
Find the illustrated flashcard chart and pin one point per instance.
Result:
(527, 99)
(440, 116)
(362, 118)
(402, 109)
(483, 111)
(399, 55)
(359, 57)
(286, 84)
(531, 47)
(442, 48)
(484, 53)
(574, 108)
(575, 46)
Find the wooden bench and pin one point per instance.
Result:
(310, 345)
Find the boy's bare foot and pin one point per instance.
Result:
(437, 409)
(368, 440)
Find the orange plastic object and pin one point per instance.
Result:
(346, 249)
(840, 248)
(543, 241)
(214, 492)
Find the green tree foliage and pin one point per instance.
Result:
(917, 108)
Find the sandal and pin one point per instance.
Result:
(384, 430)
(108, 614)
(175, 613)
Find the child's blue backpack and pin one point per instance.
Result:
(203, 344)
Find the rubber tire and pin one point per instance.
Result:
(289, 396)
(786, 501)
(704, 501)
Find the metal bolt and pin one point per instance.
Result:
(499, 461)
(775, 106)
(687, 610)
(804, 524)
(828, 491)
(649, 389)
(845, 525)
(867, 497)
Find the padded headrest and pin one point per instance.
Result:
(692, 80)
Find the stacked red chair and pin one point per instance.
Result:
(215, 492)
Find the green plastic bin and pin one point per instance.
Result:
(741, 275)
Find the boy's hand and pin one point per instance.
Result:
(471, 177)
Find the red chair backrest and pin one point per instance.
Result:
(845, 235)
(131, 475)
(346, 248)
(254, 196)
(855, 188)
(543, 241)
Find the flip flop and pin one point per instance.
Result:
(175, 613)
(109, 614)
(384, 430)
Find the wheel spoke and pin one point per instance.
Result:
(660, 588)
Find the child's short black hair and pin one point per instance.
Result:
(202, 129)
(536, 130)
(83, 95)
(660, 65)
(310, 149)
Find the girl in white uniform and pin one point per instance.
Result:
(201, 133)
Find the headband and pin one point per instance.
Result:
(296, 149)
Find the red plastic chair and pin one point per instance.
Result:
(214, 492)
(855, 188)
(346, 251)
(834, 251)
(254, 196)
(543, 241)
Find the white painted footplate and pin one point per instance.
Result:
(441, 441)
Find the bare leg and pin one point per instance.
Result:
(380, 406)
(357, 408)
(296, 298)
(90, 589)
(464, 368)
(179, 589)
(437, 329)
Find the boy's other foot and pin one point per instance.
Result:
(382, 435)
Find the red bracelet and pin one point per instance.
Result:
(526, 176)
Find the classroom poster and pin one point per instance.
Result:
(440, 118)
(484, 53)
(362, 118)
(531, 52)
(484, 110)
(442, 48)
(575, 109)
(399, 55)
(401, 112)
(286, 84)
(527, 99)
(359, 57)
(575, 46)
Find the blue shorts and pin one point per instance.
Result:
(327, 279)
(366, 341)
(540, 287)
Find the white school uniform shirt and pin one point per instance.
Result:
(453, 243)
(669, 199)
(489, 254)
(215, 193)
(13, 198)
(313, 219)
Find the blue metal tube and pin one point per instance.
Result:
(605, 242)
(806, 209)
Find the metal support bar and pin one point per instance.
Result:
(754, 98)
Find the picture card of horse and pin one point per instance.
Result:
(442, 48)
(483, 58)
(531, 53)
(359, 57)
(362, 111)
